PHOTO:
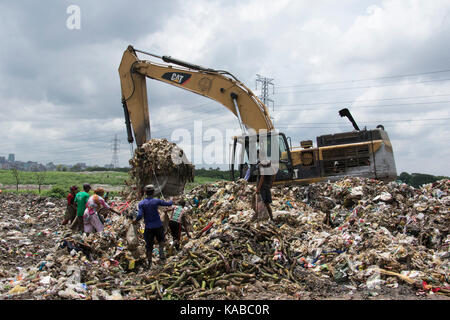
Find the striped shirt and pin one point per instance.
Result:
(178, 214)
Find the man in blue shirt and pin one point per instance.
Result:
(148, 208)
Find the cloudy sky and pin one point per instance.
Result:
(387, 61)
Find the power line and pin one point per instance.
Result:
(34, 146)
(115, 155)
(265, 83)
(398, 120)
(386, 126)
(365, 100)
(168, 129)
(219, 116)
(364, 87)
(368, 106)
(314, 124)
(366, 79)
(72, 138)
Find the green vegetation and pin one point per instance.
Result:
(418, 179)
(213, 173)
(103, 169)
(66, 179)
(199, 181)
(62, 180)
(55, 192)
(114, 177)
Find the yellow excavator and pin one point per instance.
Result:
(363, 153)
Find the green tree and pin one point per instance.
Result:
(40, 178)
(17, 175)
(416, 180)
(76, 168)
(405, 177)
(56, 192)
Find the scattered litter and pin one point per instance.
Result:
(378, 237)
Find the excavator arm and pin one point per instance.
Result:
(217, 85)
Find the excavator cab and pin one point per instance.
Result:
(248, 150)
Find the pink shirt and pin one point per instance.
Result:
(92, 205)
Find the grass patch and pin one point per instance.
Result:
(54, 192)
(66, 178)
(61, 181)
(198, 181)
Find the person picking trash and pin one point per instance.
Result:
(264, 183)
(91, 217)
(71, 210)
(81, 199)
(148, 209)
(178, 220)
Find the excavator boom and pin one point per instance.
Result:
(219, 86)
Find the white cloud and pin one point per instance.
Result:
(60, 90)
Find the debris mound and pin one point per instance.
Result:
(159, 159)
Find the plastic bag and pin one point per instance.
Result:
(132, 238)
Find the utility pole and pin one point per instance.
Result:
(265, 83)
(115, 150)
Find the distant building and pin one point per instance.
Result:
(19, 165)
(31, 166)
(2, 160)
(109, 166)
(11, 157)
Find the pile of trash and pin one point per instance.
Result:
(354, 238)
(159, 157)
(376, 234)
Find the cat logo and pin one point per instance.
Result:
(177, 77)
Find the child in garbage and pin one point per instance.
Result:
(177, 220)
(71, 210)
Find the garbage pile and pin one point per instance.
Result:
(380, 234)
(354, 238)
(28, 231)
(392, 229)
(159, 157)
